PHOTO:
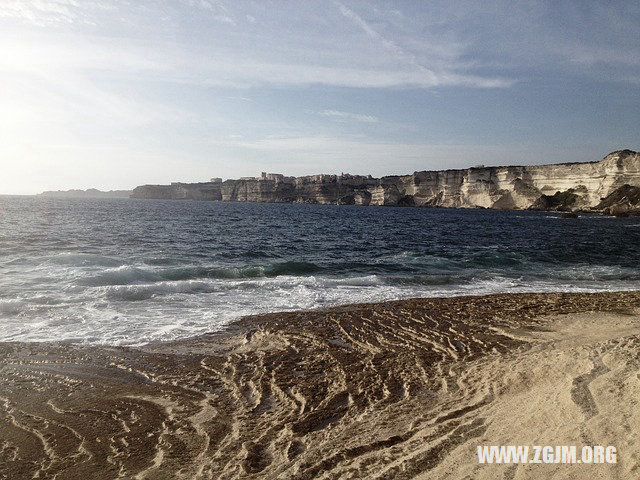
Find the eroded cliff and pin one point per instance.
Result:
(563, 186)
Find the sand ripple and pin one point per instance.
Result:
(396, 390)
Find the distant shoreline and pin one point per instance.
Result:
(563, 213)
(89, 193)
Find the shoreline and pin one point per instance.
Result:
(397, 389)
(244, 321)
(240, 325)
(588, 212)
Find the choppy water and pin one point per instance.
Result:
(133, 271)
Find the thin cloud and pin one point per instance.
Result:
(172, 62)
(337, 114)
(217, 10)
(43, 13)
(431, 77)
(227, 57)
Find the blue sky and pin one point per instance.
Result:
(113, 94)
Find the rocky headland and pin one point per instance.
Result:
(611, 185)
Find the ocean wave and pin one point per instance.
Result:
(580, 273)
(11, 306)
(426, 280)
(496, 261)
(120, 276)
(291, 268)
(354, 281)
(83, 260)
(133, 293)
(127, 275)
(294, 285)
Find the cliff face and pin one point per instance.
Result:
(520, 187)
(180, 191)
(565, 186)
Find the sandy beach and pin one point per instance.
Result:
(396, 390)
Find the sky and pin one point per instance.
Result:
(114, 94)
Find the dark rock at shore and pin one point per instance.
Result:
(623, 201)
(559, 201)
(407, 201)
(347, 200)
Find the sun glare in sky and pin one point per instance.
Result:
(113, 94)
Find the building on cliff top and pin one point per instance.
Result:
(277, 177)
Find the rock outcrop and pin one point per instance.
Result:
(562, 187)
(623, 201)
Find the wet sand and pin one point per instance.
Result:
(395, 390)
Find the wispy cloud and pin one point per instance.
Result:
(227, 56)
(337, 114)
(217, 10)
(430, 76)
(168, 61)
(53, 12)
(390, 45)
(354, 44)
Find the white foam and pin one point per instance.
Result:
(152, 310)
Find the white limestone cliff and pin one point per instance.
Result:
(560, 186)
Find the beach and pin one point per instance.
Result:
(391, 390)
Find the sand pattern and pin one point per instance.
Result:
(397, 390)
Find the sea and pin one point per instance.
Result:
(129, 272)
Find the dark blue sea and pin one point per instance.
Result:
(132, 271)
